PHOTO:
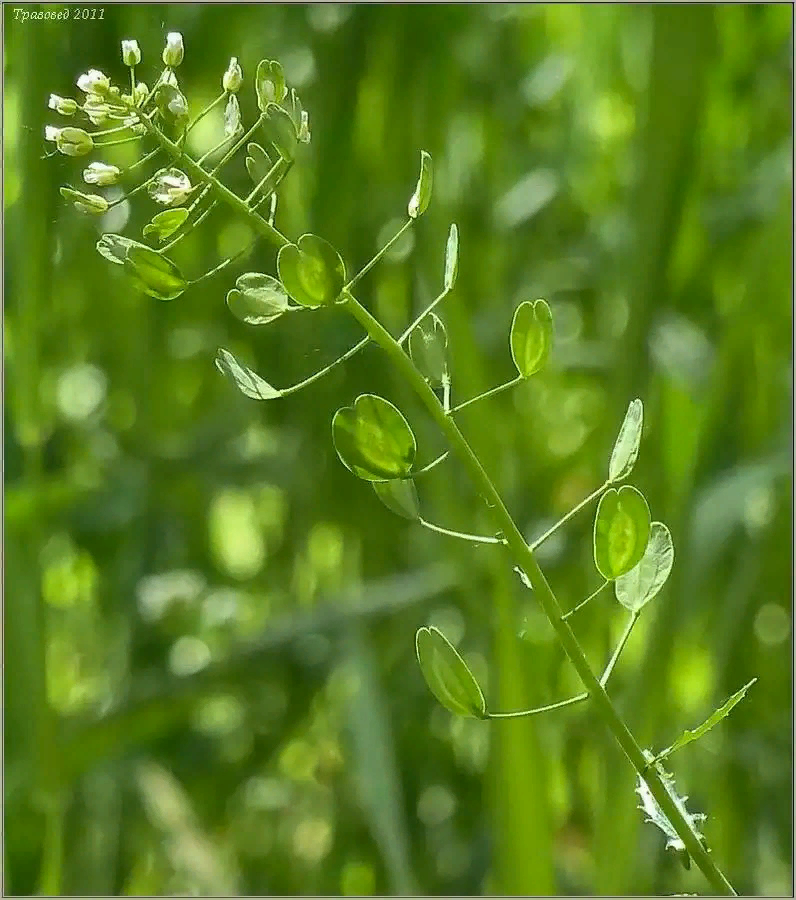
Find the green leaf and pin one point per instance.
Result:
(531, 336)
(257, 299)
(621, 531)
(311, 271)
(419, 201)
(247, 381)
(281, 131)
(645, 580)
(373, 439)
(269, 83)
(447, 675)
(114, 247)
(165, 223)
(625, 452)
(400, 496)
(155, 274)
(258, 163)
(722, 712)
(428, 345)
(451, 258)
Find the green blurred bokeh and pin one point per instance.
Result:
(210, 683)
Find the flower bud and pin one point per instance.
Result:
(96, 109)
(169, 187)
(174, 50)
(86, 203)
(94, 82)
(101, 174)
(140, 93)
(66, 106)
(131, 53)
(233, 77)
(72, 141)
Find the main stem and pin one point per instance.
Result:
(522, 553)
(524, 556)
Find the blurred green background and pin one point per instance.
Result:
(210, 683)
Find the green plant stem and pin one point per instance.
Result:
(525, 558)
(573, 512)
(619, 648)
(432, 465)
(521, 713)
(365, 269)
(52, 863)
(584, 602)
(430, 308)
(495, 390)
(206, 110)
(325, 370)
(473, 538)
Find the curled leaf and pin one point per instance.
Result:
(257, 299)
(646, 579)
(400, 496)
(447, 675)
(247, 381)
(451, 258)
(373, 439)
(155, 274)
(531, 336)
(419, 201)
(428, 344)
(625, 452)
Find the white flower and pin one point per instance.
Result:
(173, 51)
(51, 133)
(101, 174)
(72, 141)
(131, 53)
(170, 187)
(94, 82)
(63, 105)
(233, 77)
(140, 93)
(96, 109)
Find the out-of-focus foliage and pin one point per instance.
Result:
(210, 681)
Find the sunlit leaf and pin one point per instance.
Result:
(257, 299)
(165, 223)
(114, 247)
(373, 439)
(428, 345)
(714, 718)
(247, 381)
(531, 336)
(311, 271)
(645, 580)
(447, 675)
(419, 201)
(400, 496)
(451, 258)
(625, 452)
(155, 274)
(621, 531)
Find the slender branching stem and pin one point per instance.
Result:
(584, 602)
(573, 512)
(206, 110)
(495, 390)
(325, 371)
(432, 465)
(365, 269)
(473, 538)
(430, 308)
(522, 713)
(619, 648)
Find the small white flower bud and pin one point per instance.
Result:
(96, 109)
(73, 141)
(66, 106)
(94, 82)
(131, 53)
(170, 187)
(174, 50)
(51, 133)
(101, 174)
(140, 93)
(233, 77)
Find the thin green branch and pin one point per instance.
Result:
(430, 308)
(521, 713)
(573, 512)
(584, 602)
(206, 110)
(495, 390)
(619, 648)
(473, 538)
(365, 269)
(325, 371)
(432, 465)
